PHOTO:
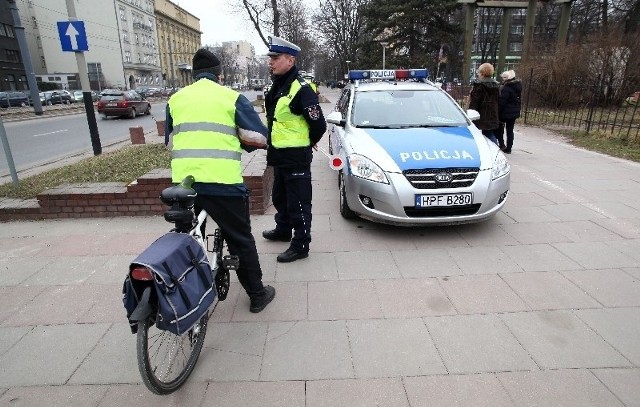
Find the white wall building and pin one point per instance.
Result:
(104, 58)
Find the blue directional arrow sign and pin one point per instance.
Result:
(73, 37)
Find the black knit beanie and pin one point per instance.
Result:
(205, 61)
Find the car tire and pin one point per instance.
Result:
(49, 103)
(23, 104)
(345, 211)
(104, 117)
(133, 114)
(148, 111)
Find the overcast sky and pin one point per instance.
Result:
(219, 24)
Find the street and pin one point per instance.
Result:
(40, 141)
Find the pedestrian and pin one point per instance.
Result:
(296, 124)
(484, 99)
(210, 125)
(509, 105)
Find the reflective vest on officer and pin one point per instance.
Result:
(205, 140)
(288, 129)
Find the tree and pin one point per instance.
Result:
(414, 29)
(340, 25)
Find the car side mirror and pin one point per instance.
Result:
(336, 118)
(473, 115)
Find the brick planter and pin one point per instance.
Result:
(140, 198)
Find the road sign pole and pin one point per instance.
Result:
(86, 88)
(7, 153)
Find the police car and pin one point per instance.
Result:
(407, 154)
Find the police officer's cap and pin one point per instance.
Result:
(279, 46)
(205, 61)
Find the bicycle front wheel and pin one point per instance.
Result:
(166, 360)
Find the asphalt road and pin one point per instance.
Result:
(40, 141)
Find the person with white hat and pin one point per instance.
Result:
(211, 125)
(296, 124)
(509, 105)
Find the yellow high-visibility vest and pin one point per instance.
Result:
(205, 140)
(288, 129)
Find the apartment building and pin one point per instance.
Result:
(139, 41)
(12, 73)
(179, 37)
(51, 64)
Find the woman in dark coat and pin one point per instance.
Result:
(484, 99)
(509, 106)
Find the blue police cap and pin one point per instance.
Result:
(279, 46)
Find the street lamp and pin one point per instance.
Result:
(384, 49)
(347, 65)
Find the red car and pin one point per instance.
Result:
(127, 103)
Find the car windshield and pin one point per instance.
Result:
(405, 108)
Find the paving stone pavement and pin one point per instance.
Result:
(539, 306)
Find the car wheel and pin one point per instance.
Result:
(132, 114)
(105, 117)
(23, 104)
(49, 103)
(148, 111)
(345, 211)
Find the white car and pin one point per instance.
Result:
(411, 155)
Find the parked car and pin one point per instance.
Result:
(407, 154)
(123, 103)
(13, 98)
(56, 97)
(79, 97)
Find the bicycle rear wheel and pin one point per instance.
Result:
(166, 360)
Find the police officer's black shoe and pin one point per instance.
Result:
(277, 235)
(291, 255)
(259, 302)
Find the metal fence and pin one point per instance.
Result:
(591, 106)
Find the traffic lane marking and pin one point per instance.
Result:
(51, 132)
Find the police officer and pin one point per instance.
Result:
(296, 124)
(210, 125)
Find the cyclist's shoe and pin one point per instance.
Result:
(277, 235)
(259, 302)
(291, 255)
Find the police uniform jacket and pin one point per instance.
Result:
(509, 103)
(484, 99)
(304, 103)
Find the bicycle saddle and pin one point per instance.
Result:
(184, 197)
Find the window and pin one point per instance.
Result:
(3, 30)
(34, 21)
(123, 14)
(517, 29)
(137, 39)
(39, 41)
(127, 56)
(43, 62)
(12, 81)
(515, 46)
(13, 55)
(125, 36)
(9, 30)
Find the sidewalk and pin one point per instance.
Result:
(539, 306)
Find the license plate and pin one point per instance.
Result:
(112, 104)
(423, 201)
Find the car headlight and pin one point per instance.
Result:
(362, 167)
(500, 166)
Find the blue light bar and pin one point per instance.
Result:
(386, 74)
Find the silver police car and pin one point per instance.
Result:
(410, 155)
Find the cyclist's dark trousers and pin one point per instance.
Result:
(291, 197)
(231, 214)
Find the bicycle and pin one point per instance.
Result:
(166, 359)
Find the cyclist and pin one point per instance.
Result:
(209, 125)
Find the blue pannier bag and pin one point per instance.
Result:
(183, 282)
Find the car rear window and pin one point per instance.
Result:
(112, 97)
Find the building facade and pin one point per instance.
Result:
(139, 41)
(179, 37)
(104, 62)
(12, 73)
